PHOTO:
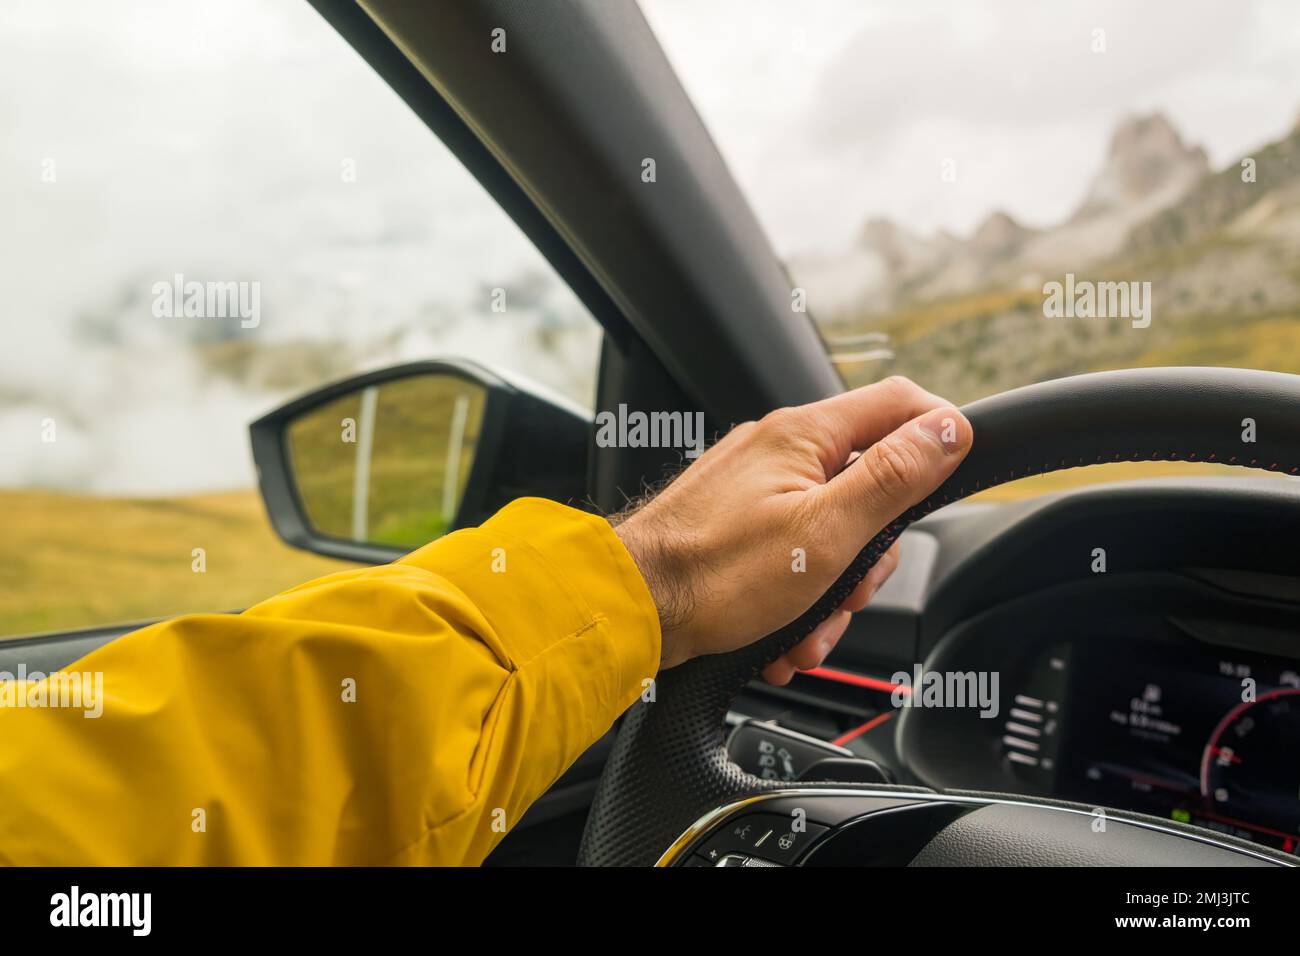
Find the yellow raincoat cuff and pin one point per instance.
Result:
(552, 580)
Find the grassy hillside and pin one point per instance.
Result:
(1222, 264)
(71, 561)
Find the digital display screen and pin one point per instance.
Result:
(1191, 733)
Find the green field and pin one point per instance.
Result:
(407, 457)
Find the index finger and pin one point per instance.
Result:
(857, 419)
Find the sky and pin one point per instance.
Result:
(208, 138)
(830, 112)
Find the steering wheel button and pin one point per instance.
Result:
(769, 836)
(777, 753)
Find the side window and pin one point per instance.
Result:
(210, 208)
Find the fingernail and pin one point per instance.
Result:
(940, 425)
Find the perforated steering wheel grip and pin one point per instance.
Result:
(669, 764)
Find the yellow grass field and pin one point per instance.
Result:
(1098, 474)
(70, 561)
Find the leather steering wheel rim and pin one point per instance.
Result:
(669, 766)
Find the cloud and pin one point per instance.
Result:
(1017, 63)
(209, 140)
(856, 120)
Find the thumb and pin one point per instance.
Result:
(899, 471)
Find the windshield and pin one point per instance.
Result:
(985, 195)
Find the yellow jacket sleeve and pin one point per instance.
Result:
(401, 714)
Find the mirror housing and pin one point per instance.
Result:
(525, 443)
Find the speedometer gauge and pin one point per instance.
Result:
(1251, 761)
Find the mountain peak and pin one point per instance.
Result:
(1147, 166)
(999, 233)
(1136, 134)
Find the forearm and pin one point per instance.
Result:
(407, 713)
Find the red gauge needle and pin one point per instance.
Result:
(1219, 751)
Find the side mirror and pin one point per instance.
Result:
(375, 466)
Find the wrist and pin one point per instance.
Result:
(662, 571)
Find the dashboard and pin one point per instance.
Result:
(1193, 733)
(1164, 680)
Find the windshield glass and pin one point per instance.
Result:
(985, 195)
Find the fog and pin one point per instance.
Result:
(234, 141)
(832, 111)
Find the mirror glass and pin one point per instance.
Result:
(387, 464)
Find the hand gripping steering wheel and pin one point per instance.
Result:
(669, 766)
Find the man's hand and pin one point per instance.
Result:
(720, 548)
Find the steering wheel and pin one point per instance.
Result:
(669, 777)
